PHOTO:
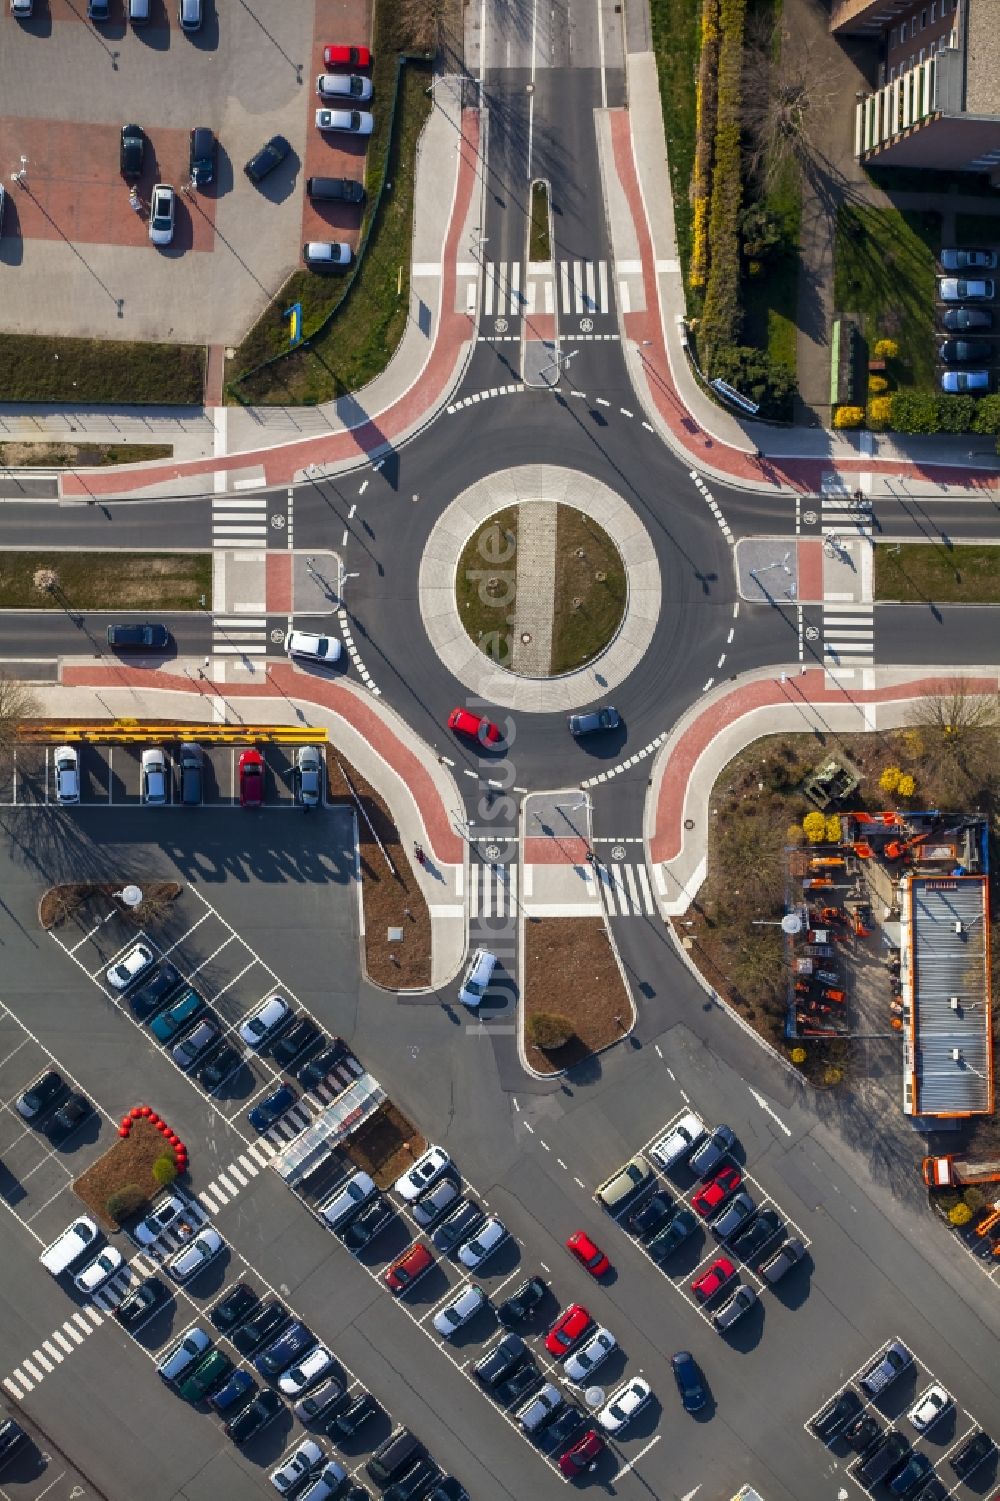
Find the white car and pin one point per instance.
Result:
(97, 1272)
(162, 212)
(307, 1457)
(154, 777)
(961, 289)
(133, 963)
(262, 1024)
(161, 1217)
(487, 1239)
(463, 1307)
(477, 977)
(427, 1169)
(929, 1406)
(624, 1404)
(356, 122)
(327, 254)
(66, 764)
(315, 648)
(346, 86)
(581, 1365)
(299, 1377)
(188, 1262)
(679, 1140)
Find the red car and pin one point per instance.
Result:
(587, 1254)
(482, 730)
(347, 57)
(716, 1191)
(708, 1284)
(407, 1268)
(568, 1328)
(581, 1455)
(251, 778)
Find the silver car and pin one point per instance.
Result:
(580, 1366)
(67, 769)
(162, 212)
(731, 1312)
(309, 776)
(459, 1310)
(154, 777)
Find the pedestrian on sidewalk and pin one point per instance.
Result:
(418, 850)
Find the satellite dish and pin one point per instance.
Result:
(131, 896)
(791, 924)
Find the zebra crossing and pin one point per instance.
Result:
(574, 288)
(492, 890)
(625, 890)
(239, 636)
(848, 634)
(843, 513)
(239, 521)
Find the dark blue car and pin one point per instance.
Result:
(689, 1382)
(264, 1115)
(295, 1341)
(237, 1392)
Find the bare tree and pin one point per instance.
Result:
(17, 702)
(958, 740)
(788, 103)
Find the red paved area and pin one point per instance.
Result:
(279, 583)
(280, 464)
(809, 688)
(810, 572)
(328, 154)
(540, 326)
(374, 726)
(553, 850)
(74, 191)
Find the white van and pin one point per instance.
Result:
(477, 977)
(345, 1204)
(73, 1243)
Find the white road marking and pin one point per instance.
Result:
(633, 1462)
(768, 1111)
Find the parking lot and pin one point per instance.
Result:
(75, 258)
(941, 1441)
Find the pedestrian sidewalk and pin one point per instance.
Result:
(277, 445)
(417, 788)
(726, 720)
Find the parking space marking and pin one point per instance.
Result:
(235, 980)
(165, 953)
(224, 944)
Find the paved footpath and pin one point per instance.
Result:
(417, 788)
(729, 719)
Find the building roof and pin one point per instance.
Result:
(952, 1054)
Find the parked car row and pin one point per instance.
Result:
(973, 355)
(884, 1455)
(190, 13)
(339, 93)
(309, 776)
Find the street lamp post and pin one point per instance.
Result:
(558, 362)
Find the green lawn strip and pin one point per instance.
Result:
(982, 230)
(36, 367)
(539, 245)
(579, 633)
(921, 572)
(490, 553)
(358, 342)
(675, 34)
(884, 275)
(82, 455)
(770, 300)
(141, 581)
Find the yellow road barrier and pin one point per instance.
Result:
(130, 731)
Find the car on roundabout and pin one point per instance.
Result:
(476, 726)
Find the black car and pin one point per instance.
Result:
(864, 1433)
(251, 1335)
(651, 1215)
(234, 1307)
(293, 1342)
(154, 993)
(913, 1474)
(964, 351)
(12, 1435)
(501, 1361)
(316, 1070)
(69, 1116)
(296, 1040)
(414, 1485)
(346, 1423)
(148, 1298)
(458, 1226)
(335, 190)
(885, 1457)
(674, 1234)
(934, 1490)
(959, 319)
(201, 156)
(564, 1428)
(518, 1387)
(221, 1066)
(365, 1226)
(149, 637)
(522, 1302)
(836, 1415)
(972, 1454)
(448, 1489)
(132, 151)
(41, 1095)
(751, 1241)
(270, 155)
(689, 1383)
(254, 1417)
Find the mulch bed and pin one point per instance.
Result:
(569, 967)
(385, 1145)
(62, 902)
(390, 900)
(129, 1161)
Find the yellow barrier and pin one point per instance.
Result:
(130, 731)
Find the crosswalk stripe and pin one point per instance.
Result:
(97, 1319)
(50, 1349)
(15, 1390)
(262, 1150)
(73, 1332)
(591, 293)
(530, 293)
(234, 1172)
(564, 282)
(602, 277)
(489, 282)
(248, 1166)
(43, 1361)
(550, 297)
(515, 287)
(633, 889)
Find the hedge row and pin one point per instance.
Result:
(929, 412)
(721, 315)
(706, 112)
